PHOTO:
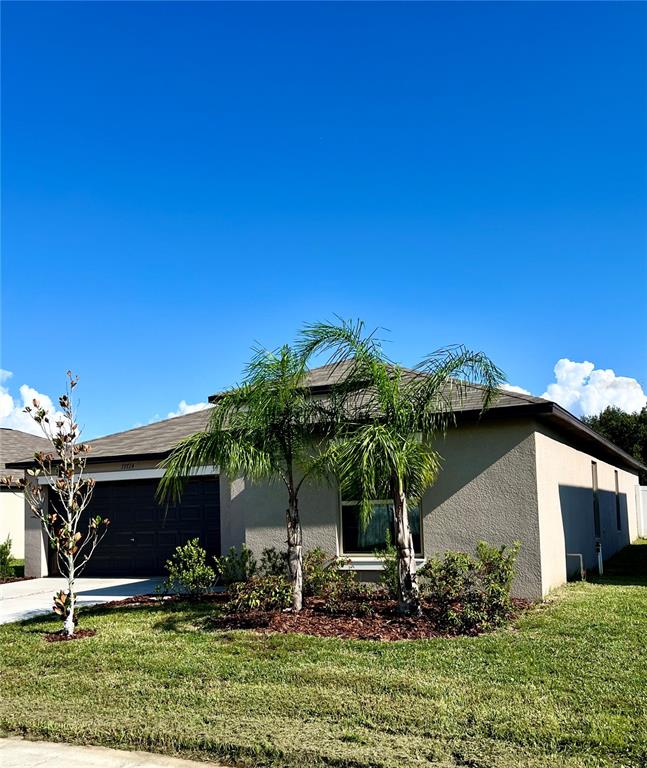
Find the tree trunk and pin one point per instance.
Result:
(295, 553)
(408, 592)
(68, 626)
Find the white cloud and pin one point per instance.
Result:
(586, 390)
(184, 408)
(514, 388)
(12, 413)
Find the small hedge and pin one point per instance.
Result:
(467, 594)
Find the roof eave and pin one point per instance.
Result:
(158, 456)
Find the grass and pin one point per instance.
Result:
(565, 687)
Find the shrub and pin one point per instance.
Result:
(273, 563)
(260, 593)
(339, 589)
(319, 571)
(6, 568)
(470, 594)
(236, 566)
(188, 571)
(389, 576)
(347, 595)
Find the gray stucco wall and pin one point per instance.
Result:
(487, 490)
(254, 513)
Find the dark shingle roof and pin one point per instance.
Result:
(16, 445)
(151, 441)
(321, 379)
(157, 438)
(155, 441)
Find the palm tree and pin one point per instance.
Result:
(268, 428)
(385, 448)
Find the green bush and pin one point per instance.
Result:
(339, 589)
(260, 593)
(469, 594)
(319, 571)
(188, 571)
(389, 576)
(236, 566)
(6, 568)
(273, 563)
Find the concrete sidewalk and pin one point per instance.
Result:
(23, 599)
(19, 753)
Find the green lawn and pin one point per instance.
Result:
(565, 686)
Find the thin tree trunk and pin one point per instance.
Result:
(68, 626)
(295, 552)
(408, 592)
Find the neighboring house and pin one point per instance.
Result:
(527, 470)
(15, 445)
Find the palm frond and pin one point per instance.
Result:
(233, 454)
(442, 380)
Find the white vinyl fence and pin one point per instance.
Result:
(641, 508)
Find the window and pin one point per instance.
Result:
(596, 500)
(358, 541)
(618, 511)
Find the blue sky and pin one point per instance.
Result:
(181, 180)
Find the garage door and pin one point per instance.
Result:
(142, 534)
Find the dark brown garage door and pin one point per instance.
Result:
(142, 534)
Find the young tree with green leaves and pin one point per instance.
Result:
(268, 428)
(384, 449)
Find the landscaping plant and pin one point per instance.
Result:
(236, 565)
(6, 568)
(389, 574)
(66, 491)
(266, 429)
(273, 562)
(339, 589)
(188, 571)
(260, 593)
(467, 594)
(384, 449)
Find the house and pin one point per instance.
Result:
(15, 445)
(526, 471)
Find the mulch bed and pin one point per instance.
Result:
(312, 622)
(383, 623)
(59, 637)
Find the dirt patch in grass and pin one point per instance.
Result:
(58, 637)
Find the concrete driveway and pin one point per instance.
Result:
(23, 599)
(19, 753)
